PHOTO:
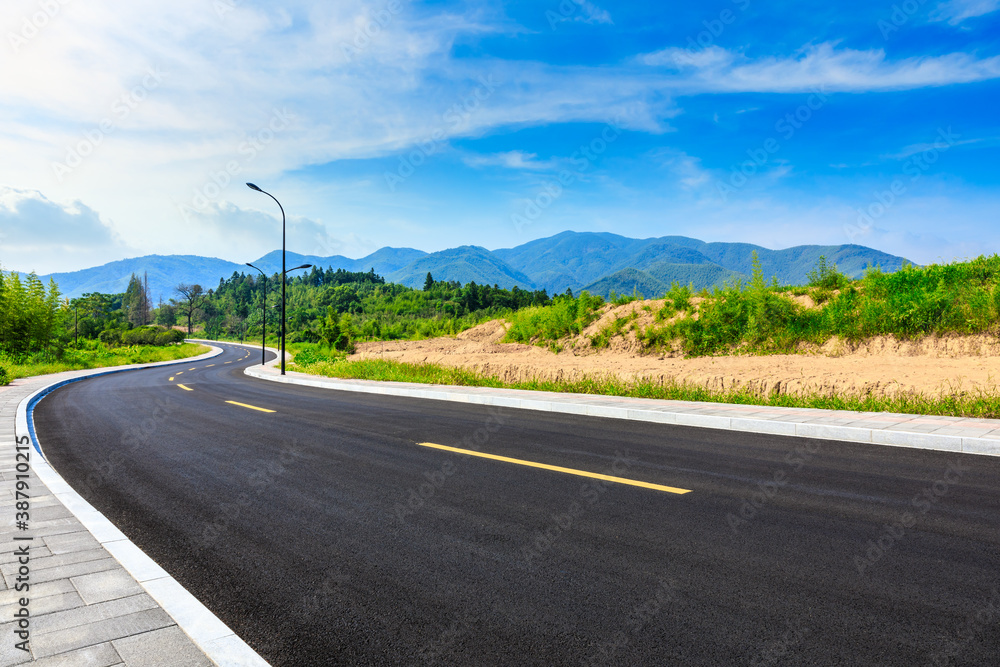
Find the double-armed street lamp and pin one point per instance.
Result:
(284, 272)
(263, 328)
(263, 335)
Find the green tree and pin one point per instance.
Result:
(428, 282)
(191, 299)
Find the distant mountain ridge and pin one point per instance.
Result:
(597, 261)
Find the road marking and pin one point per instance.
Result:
(171, 379)
(252, 407)
(191, 369)
(209, 366)
(570, 471)
(185, 388)
(229, 362)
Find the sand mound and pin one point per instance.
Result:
(880, 366)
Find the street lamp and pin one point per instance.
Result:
(263, 335)
(283, 271)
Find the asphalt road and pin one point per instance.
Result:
(322, 533)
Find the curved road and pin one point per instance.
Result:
(323, 533)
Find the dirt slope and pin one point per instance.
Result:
(881, 366)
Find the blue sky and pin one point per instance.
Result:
(130, 129)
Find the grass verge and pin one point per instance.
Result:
(978, 405)
(100, 357)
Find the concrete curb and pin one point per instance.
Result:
(220, 644)
(957, 434)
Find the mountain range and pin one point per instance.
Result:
(596, 261)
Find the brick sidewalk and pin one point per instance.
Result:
(87, 605)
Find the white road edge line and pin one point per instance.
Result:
(209, 633)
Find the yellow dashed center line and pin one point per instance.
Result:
(185, 388)
(251, 407)
(209, 366)
(171, 379)
(569, 471)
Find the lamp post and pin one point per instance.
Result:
(283, 271)
(263, 333)
(304, 266)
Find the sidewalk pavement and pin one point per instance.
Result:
(95, 599)
(951, 434)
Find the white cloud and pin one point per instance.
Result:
(957, 11)
(37, 234)
(819, 67)
(680, 58)
(511, 160)
(354, 91)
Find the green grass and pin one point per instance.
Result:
(978, 404)
(95, 356)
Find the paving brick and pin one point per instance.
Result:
(39, 562)
(100, 655)
(75, 569)
(53, 603)
(9, 654)
(79, 540)
(168, 647)
(92, 613)
(107, 585)
(70, 639)
(38, 591)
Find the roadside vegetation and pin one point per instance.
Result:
(761, 317)
(42, 333)
(330, 312)
(979, 405)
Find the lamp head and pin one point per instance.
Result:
(254, 187)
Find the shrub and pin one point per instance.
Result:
(169, 337)
(826, 275)
(4, 378)
(111, 337)
(566, 316)
(141, 336)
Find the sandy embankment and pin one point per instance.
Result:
(933, 366)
